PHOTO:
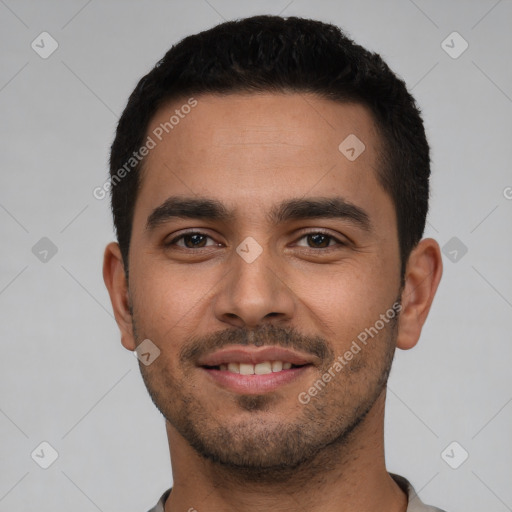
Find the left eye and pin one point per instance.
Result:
(319, 240)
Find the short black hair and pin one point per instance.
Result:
(277, 54)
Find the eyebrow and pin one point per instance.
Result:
(181, 207)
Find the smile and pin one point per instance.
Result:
(262, 368)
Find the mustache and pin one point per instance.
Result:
(267, 335)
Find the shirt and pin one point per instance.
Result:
(414, 503)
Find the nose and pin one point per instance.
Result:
(255, 292)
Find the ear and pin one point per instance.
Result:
(115, 281)
(422, 275)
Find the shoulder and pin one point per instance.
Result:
(414, 502)
(159, 507)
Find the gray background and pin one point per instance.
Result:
(66, 379)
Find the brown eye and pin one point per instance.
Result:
(319, 240)
(193, 240)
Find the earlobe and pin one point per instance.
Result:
(422, 276)
(115, 281)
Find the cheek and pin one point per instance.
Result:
(165, 297)
(344, 302)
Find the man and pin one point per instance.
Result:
(270, 183)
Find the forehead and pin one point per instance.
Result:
(261, 148)
(238, 120)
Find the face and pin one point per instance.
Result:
(257, 245)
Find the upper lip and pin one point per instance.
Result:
(254, 355)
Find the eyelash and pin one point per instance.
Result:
(317, 232)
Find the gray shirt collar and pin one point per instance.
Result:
(414, 502)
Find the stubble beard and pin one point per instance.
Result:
(261, 450)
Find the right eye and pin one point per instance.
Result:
(191, 240)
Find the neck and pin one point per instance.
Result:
(348, 476)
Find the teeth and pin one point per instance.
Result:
(277, 366)
(263, 368)
(246, 369)
(255, 369)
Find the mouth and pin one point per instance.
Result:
(263, 368)
(247, 370)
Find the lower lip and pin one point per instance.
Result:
(254, 384)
